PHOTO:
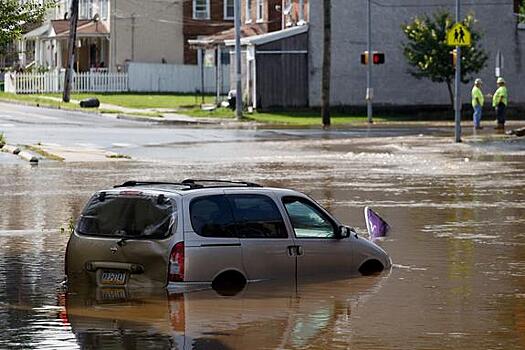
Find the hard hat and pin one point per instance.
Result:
(500, 81)
(478, 81)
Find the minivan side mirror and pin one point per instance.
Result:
(344, 232)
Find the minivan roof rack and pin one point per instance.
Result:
(197, 183)
(191, 183)
(133, 183)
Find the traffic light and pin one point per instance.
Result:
(453, 57)
(377, 57)
(364, 57)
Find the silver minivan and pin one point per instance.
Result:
(149, 234)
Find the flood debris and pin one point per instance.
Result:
(376, 226)
(11, 149)
(517, 132)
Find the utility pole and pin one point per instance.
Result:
(327, 62)
(238, 90)
(369, 89)
(457, 92)
(71, 50)
(133, 37)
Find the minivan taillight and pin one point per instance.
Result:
(176, 268)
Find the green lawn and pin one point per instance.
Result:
(296, 118)
(37, 99)
(188, 104)
(128, 100)
(308, 118)
(147, 100)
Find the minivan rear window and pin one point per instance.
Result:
(128, 216)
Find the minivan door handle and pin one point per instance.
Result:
(294, 250)
(291, 250)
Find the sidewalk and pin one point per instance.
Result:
(139, 114)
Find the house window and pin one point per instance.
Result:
(229, 9)
(248, 11)
(104, 9)
(85, 9)
(260, 9)
(201, 9)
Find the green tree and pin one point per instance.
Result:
(16, 15)
(429, 55)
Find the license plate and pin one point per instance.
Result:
(113, 278)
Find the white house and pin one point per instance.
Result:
(110, 34)
(46, 46)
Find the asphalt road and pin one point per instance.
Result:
(154, 141)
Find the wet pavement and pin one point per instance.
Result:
(458, 244)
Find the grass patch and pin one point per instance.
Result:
(146, 100)
(306, 118)
(128, 100)
(44, 153)
(38, 100)
(118, 156)
(3, 140)
(295, 118)
(216, 113)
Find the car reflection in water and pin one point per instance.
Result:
(314, 313)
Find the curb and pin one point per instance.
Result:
(139, 118)
(165, 121)
(11, 149)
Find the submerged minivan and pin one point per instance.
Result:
(201, 232)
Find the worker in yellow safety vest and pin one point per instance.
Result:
(477, 103)
(499, 102)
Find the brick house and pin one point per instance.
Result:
(203, 18)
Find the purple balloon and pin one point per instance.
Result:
(376, 226)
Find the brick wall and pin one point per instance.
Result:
(392, 83)
(193, 28)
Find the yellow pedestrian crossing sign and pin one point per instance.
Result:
(459, 35)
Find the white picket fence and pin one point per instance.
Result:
(150, 77)
(37, 83)
(140, 77)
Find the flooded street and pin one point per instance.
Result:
(458, 245)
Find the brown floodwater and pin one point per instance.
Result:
(458, 244)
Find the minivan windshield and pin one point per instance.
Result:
(128, 216)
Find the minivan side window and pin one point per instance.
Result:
(211, 216)
(257, 216)
(307, 220)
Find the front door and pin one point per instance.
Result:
(320, 252)
(267, 248)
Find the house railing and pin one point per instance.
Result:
(53, 82)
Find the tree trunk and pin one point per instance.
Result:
(450, 93)
(325, 78)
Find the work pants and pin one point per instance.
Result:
(477, 116)
(500, 113)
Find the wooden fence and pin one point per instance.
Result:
(37, 83)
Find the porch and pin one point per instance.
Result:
(46, 47)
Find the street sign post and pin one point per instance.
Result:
(459, 36)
